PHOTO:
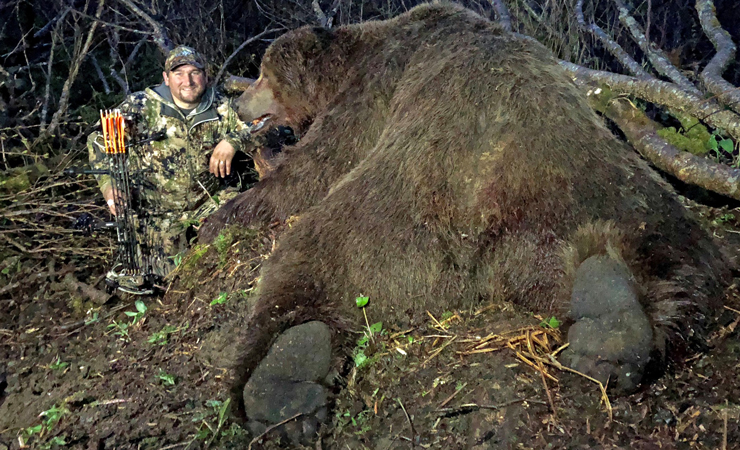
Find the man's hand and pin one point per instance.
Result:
(108, 194)
(220, 164)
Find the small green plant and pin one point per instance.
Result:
(58, 365)
(550, 322)
(721, 144)
(220, 300)
(51, 416)
(56, 440)
(218, 411)
(139, 313)
(30, 431)
(165, 378)
(120, 329)
(92, 319)
(359, 354)
(724, 218)
(162, 336)
(177, 259)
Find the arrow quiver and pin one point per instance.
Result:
(132, 271)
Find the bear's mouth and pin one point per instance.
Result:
(259, 123)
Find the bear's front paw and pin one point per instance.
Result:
(612, 337)
(286, 388)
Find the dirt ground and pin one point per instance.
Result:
(154, 378)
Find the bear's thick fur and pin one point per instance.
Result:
(445, 162)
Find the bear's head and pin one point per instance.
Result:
(301, 72)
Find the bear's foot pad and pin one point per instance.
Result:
(611, 338)
(288, 385)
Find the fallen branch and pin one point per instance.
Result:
(642, 133)
(658, 92)
(73, 285)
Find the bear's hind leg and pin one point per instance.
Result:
(612, 337)
(290, 383)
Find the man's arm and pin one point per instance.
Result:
(236, 137)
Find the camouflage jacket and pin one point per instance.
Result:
(174, 168)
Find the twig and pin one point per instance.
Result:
(319, 13)
(111, 402)
(438, 351)
(99, 72)
(605, 398)
(9, 287)
(472, 407)
(724, 429)
(54, 20)
(332, 13)
(180, 444)
(411, 424)
(542, 372)
(448, 399)
(270, 428)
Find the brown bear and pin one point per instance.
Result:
(444, 162)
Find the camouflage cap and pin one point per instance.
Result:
(184, 55)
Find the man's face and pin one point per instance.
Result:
(187, 84)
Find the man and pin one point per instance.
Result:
(193, 134)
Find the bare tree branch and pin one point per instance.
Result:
(611, 46)
(159, 34)
(77, 59)
(49, 65)
(656, 56)
(99, 72)
(238, 49)
(502, 12)
(712, 73)
(58, 18)
(332, 13)
(113, 40)
(319, 13)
